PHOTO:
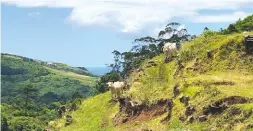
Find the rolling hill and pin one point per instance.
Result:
(34, 89)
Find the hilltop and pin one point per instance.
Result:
(208, 86)
(32, 90)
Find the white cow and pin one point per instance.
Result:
(168, 49)
(116, 88)
(110, 86)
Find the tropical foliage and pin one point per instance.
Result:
(32, 91)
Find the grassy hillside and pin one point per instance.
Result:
(18, 70)
(34, 90)
(212, 69)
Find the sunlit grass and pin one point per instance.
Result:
(92, 113)
(84, 79)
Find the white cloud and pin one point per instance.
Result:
(219, 18)
(133, 15)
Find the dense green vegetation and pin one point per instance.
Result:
(209, 68)
(240, 25)
(32, 91)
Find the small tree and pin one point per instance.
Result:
(117, 63)
(232, 29)
(206, 29)
(28, 93)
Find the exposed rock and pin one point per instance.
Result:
(235, 111)
(124, 120)
(130, 110)
(202, 118)
(61, 110)
(211, 53)
(68, 117)
(180, 67)
(176, 91)
(220, 105)
(189, 110)
(190, 119)
(213, 109)
(185, 100)
(73, 107)
(68, 120)
(249, 44)
(169, 106)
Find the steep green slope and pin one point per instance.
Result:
(35, 90)
(213, 69)
(94, 114)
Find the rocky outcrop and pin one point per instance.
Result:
(131, 111)
(220, 105)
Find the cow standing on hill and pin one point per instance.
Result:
(116, 88)
(168, 49)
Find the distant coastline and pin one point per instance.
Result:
(98, 70)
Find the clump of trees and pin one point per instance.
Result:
(148, 47)
(144, 48)
(240, 26)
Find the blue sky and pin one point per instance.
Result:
(83, 33)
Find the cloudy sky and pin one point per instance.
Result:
(85, 32)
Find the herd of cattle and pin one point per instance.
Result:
(118, 86)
